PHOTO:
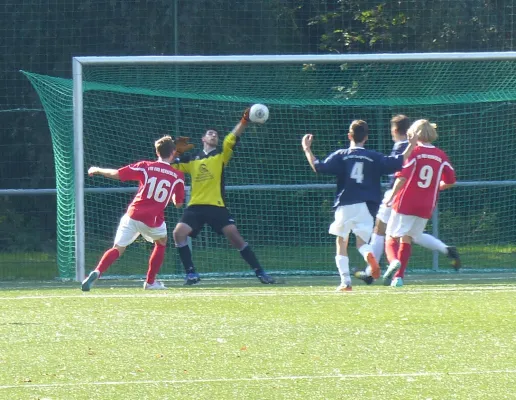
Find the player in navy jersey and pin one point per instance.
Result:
(359, 193)
(414, 196)
(159, 184)
(399, 127)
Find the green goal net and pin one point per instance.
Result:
(281, 208)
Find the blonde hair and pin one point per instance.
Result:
(424, 130)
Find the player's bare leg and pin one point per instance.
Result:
(108, 258)
(155, 262)
(342, 261)
(237, 241)
(181, 232)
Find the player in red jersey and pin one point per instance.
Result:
(414, 197)
(159, 184)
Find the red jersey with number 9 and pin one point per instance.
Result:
(426, 167)
(158, 183)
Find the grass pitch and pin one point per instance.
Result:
(439, 337)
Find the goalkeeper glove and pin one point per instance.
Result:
(182, 145)
(245, 116)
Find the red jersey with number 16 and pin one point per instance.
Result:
(158, 182)
(426, 167)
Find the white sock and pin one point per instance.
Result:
(430, 242)
(364, 249)
(378, 244)
(343, 267)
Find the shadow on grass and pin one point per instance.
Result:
(224, 284)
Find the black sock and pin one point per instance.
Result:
(248, 255)
(186, 258)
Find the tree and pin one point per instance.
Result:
(415, 26)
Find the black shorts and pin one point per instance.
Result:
(197, 215)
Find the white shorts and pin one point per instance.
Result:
(405, 225)
(384, 212)
(129, 230)
(354, 218)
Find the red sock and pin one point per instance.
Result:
(107, 260)
(391, 249)
(155, 262)
(403, 255)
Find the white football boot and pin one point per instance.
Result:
(157, 285)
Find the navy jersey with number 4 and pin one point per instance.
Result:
(359, 173)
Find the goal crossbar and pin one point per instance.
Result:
(295, 58)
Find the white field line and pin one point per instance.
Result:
(200, 293)
(260, 378)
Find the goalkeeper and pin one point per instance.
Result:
(207, 205)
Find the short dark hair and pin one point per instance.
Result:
(210, 129)
(165, 146)
(401, 123)
(358, 130)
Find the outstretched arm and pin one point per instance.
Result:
(242, 124)
(105, 172)
(232, 138)
(306, 142)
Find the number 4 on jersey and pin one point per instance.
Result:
(357, 172)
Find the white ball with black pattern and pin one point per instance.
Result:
(259, 113)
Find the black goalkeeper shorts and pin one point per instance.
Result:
(197, 215)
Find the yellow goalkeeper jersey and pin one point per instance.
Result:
(207, 173)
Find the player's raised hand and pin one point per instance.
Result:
(93, 170)
(245, 115)
(182, 145)
(306, 142)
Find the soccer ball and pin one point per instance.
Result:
(259, 113)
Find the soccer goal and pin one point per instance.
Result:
(115, 107)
